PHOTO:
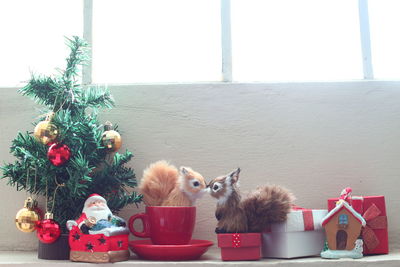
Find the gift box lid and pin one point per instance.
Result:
(238, 240)
(301, 220)
(362, 203)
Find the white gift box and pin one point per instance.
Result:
(300, 236)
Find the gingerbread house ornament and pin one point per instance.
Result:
(343, 228)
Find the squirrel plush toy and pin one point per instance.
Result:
(164, 185)
(265, 205)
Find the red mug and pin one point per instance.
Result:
(166, 225)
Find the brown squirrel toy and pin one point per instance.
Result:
(262, 207)
(164, 185)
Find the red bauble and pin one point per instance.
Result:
(58, 154)
(48, 231)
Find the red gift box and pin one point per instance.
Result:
(240, 246)
(373, 209)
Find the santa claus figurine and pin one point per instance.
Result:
(96, 218)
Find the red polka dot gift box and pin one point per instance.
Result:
(240, 246)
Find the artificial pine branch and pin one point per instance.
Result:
(91, 169)
(78, 56)
(97, 97)
(43, 90)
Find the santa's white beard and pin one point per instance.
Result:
(99, 213)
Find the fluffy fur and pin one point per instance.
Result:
(164, 185)
(231, 219)
(265, 205)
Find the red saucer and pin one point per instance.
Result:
(192, 251)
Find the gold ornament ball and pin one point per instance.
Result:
(112, 140)
(45, 132)
(26, 220)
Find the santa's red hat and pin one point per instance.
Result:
(94, 197)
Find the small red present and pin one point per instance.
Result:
(240, 246)
(375, 233)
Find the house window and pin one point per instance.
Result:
(153, 41)
(32, 37)
(343, 220)
(290, 40)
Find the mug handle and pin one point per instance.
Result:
(145, 221)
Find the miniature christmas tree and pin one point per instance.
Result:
(325, 246)
(70, 156)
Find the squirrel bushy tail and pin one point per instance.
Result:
(266, 205)
(158, 180)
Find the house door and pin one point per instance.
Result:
(341, 240)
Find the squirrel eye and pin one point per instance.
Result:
(215, 187)
(196, 183)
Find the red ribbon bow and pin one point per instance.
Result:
(374, 221)
(307, 217)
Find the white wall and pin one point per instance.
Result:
(312, 138)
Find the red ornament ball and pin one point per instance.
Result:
(48, 231)
(58, 154)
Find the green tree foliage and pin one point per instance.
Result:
(91, 168)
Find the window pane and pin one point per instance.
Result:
(343, 219)
(295, 40)
(156, 41)
(32, 36)
(385, 38)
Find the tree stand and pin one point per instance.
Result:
(58, 250)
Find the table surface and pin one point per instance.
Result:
(211, 258)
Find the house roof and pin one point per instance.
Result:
(343, 205)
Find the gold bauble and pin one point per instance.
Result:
(45, 132)
(111, 140)
(26, 218)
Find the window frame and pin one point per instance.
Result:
(226, 41)
(226, 46)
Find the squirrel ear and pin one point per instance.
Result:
(234, 176)
(184, 171)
